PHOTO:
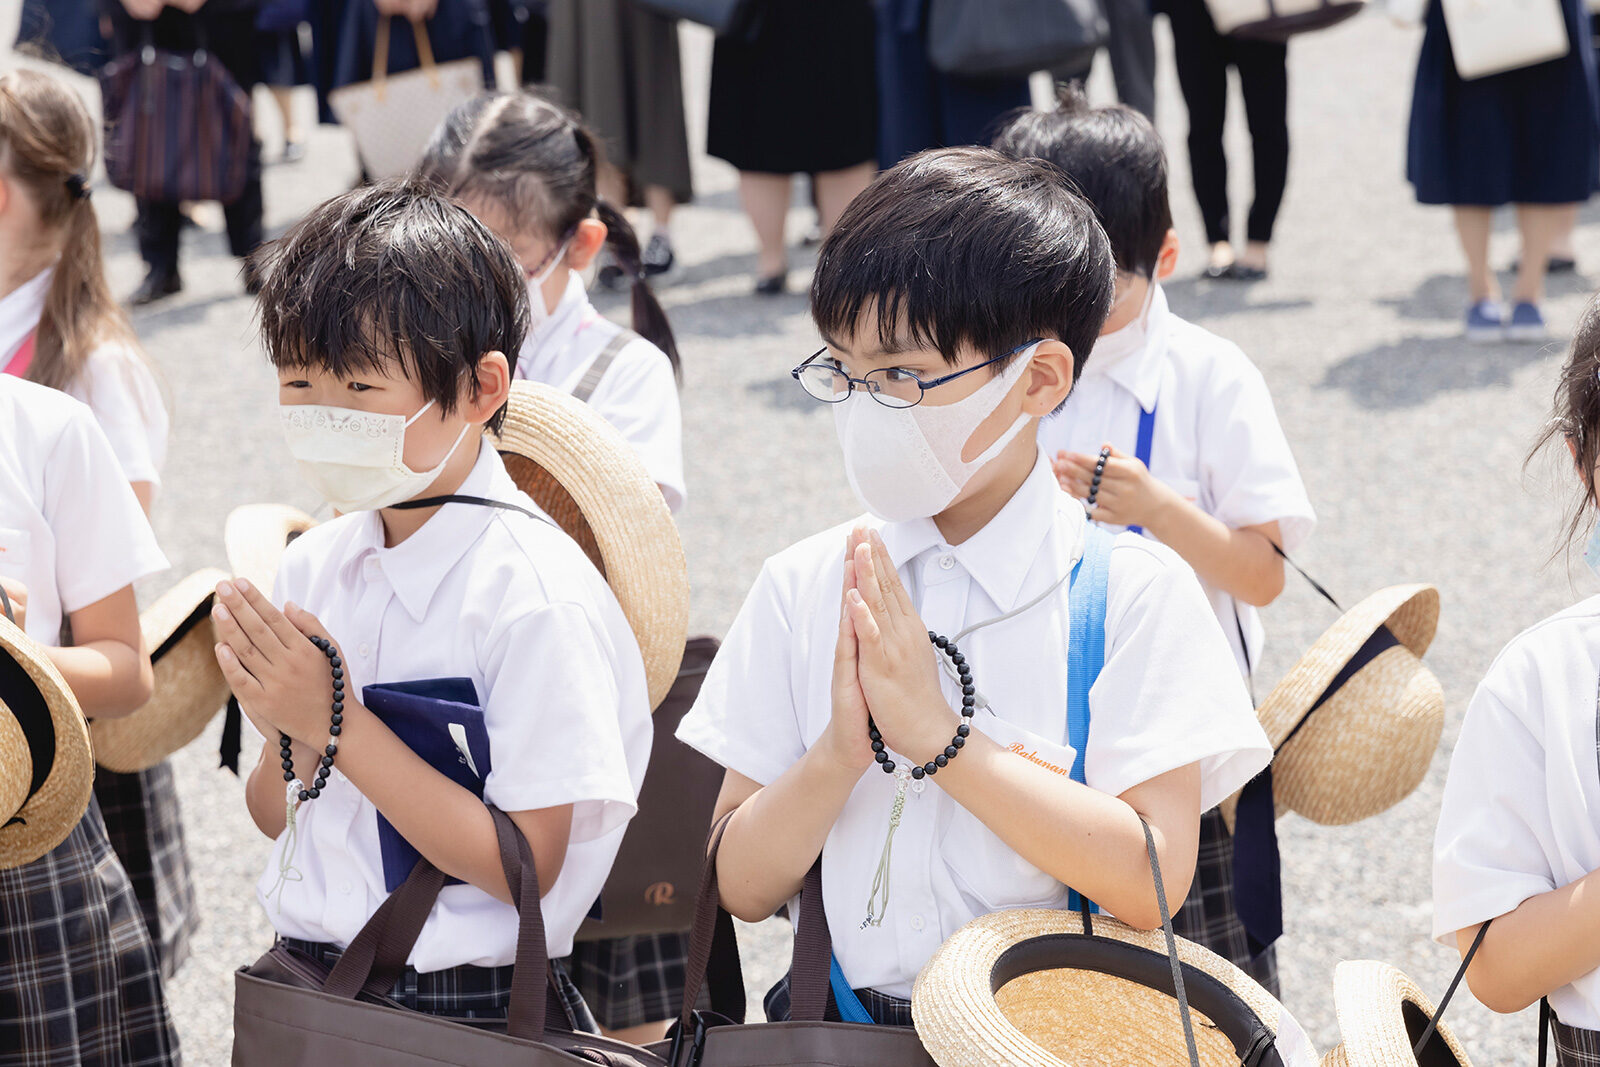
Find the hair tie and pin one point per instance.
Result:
(78, 185)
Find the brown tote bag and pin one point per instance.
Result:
(290, 1011)
(705, 1039)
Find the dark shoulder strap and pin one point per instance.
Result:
(602, 363)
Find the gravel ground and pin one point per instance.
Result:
(1410, 441)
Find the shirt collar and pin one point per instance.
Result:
(1140, 372)
(552, 338)
(1000, 555)
(20, 310)
(416, 566)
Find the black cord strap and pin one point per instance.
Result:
(1461, 972)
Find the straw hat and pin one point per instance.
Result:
(1370, 741)
(584, 475)
(1028, 987)
(189, 686)
(255, 537)
(1381, 1016)
(46, 771)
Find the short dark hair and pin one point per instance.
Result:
(1114, 157)
(1575, 419)
(964, 246)
(393, 274)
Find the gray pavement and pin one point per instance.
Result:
(1411, 443)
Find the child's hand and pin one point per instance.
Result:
(281, 679)
(1129, 495)
(17, 593)
(896, 663)
(846, 736)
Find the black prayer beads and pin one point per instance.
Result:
(335, 724)
(1099, 473)
(969, 701)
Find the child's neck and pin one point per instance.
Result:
(21, 263)
(401, 523)
(1001, 480)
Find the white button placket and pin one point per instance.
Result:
(347, 896)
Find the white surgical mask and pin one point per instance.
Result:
(538, 311)
(905, 463)
(1112, 347)
(356, 459)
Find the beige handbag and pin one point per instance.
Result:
(1493, 36)
(393, 115)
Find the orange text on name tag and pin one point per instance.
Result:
(1033, 757)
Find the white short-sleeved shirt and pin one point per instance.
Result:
(1167, 697)
(1521, 811)
(511, 603)
(71, 529)
(638, 394)
(1217, 440)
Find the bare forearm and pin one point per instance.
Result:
(1549, 941)
(1240, 562)
(778, 833)
(110, 679)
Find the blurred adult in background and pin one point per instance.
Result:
(226, 29)
(796, 95)
(1203, 57)
(283, 64)
(617, 65)
(63, 31)
(1529, 137)
(1131, 48)
(457, 29)
(521, 28)
(920, 107)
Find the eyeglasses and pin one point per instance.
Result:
(892, 387)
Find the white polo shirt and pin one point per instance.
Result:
(1167, 697)
(513, 604)
(1521, 810)
(638, 394)
(71, 529)
(1217, 439)
(116, 384)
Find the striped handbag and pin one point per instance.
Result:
(178, 126)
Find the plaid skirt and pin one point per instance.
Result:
(79, 980)
(884, 1009)
(146, 833)
(462, 992)
(631, 981)
(1208, 916)
(1575, 1047)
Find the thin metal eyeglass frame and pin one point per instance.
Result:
(873, 392)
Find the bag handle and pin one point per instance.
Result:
(713, 947)
(380, 51)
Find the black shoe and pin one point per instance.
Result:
(1555, 265)
(773, 285)
(157, 285)
(1239, 272)
(657, 258)
(1216, 273)
(610, 274)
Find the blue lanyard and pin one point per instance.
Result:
(1147, 434)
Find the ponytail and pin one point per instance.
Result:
(649, 320)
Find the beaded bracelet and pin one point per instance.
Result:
(1099, 472)
(335, 724)
(969, 700)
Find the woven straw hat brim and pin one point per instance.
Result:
(1381, 1016)
(587, 478)
(1064, 1017)
(189, 686)
(47, 817)
(255, 537)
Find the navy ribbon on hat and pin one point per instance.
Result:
(1257, 876)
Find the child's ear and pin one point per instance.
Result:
(587, 240)
(493, 378)
(1167, 258)
(1049, 379)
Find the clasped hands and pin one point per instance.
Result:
(281, 680)
(883, 664)
(1129, 495)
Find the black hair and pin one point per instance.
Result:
(1575, 418)
(1114, 157)
(388, 274)
(532, 158)
(964, 246)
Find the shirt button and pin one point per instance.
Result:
(917, 922)
(344, 887)
(365, 650)
(371, 569)
(946, 562)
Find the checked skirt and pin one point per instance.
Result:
(146, 832)
(1209, 917)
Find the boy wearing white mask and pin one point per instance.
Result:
(388, 313)
(1197, 459)
(959, 296)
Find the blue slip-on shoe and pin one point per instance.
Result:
(1527, 324)
(1486, 323)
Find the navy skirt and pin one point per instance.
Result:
(1529, 136)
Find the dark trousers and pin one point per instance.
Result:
(228, 33)
(1203, 57)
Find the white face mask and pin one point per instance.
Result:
(906, 463)
(356, 459)
(1111, 347)
(538, 311)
